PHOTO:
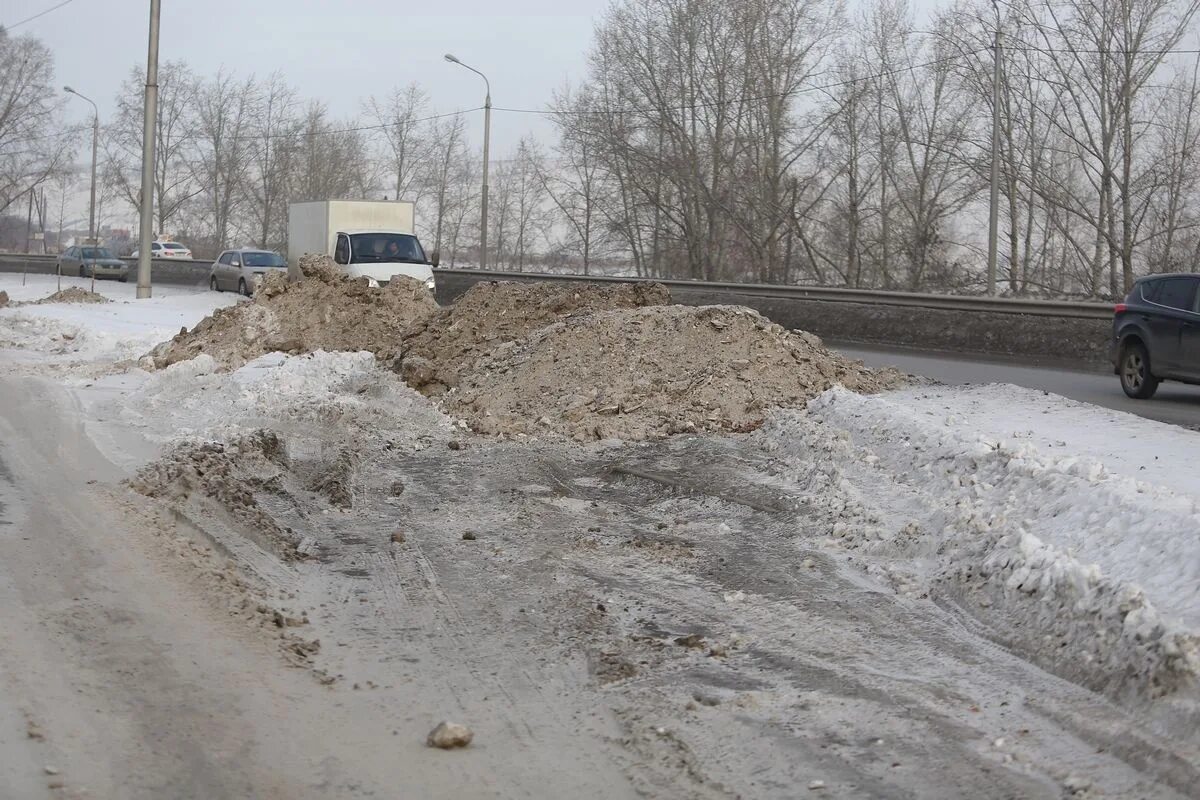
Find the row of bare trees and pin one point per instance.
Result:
(779, 140)
(767, 140)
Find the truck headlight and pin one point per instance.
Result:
(430, 284)
(374, 284)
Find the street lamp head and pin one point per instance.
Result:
(450, 57)
(68, 89)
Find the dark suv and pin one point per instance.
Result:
(1156, 334)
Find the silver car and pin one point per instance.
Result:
(242, 270)
(88, 261)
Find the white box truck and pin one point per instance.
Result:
(367, 238)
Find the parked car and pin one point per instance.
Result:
(1156, 334)
(243, 269)
(167, 250)
(90, 260)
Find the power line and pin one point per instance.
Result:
(774, 96)
(356, 129)
(36, 16)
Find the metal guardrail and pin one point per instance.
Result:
(39, 257)
(996, 305)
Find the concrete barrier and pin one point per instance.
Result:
(164, 271)
(1038, 339)
(1077, 335)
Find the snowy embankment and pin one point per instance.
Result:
(91, 332)
(1014, 506)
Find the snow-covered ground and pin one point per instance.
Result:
(91, 332)
(1080, 551)
(1067, 533)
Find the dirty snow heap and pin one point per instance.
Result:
(324, 311)
(647, 373)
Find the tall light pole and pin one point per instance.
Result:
(95, 150)
(149, 139)
(487, 135)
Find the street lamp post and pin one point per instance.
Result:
(95, 150)
(487, 135)
(149, 139)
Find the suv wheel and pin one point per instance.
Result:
(1136, 378)
(242, 287)
(212, 284)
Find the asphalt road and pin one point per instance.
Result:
(1175, 403)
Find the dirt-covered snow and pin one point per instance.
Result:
(489, 315)
(324, 311)
(647, 373)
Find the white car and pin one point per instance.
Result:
(168, 250)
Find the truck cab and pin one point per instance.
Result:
(379, 256)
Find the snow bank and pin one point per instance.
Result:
(320, 388)
(1127, 445)
(123, 329)
(1096, 575)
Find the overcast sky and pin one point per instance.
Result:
(338, 52)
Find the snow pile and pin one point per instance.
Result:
(74, 294)
(324, 311)
(229, 473)
(277, 428)
(447, 344)
(647, 373)
(320, 389)
(1095, 576)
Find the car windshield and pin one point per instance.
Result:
(263, 260)
(173, 246)
(387, 247)
(97, 252)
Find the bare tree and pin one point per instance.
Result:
(400, 117)
(174, 181)
(220, 151)
(443, 173)
(272, 142)
(330, 158)
(32, 145)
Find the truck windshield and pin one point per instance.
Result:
(386, 247)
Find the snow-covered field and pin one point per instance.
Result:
(90, 332)
(1066, 532)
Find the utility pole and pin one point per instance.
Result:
(95, 152)
(149, 140)
(994, 207)
(487, 135)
